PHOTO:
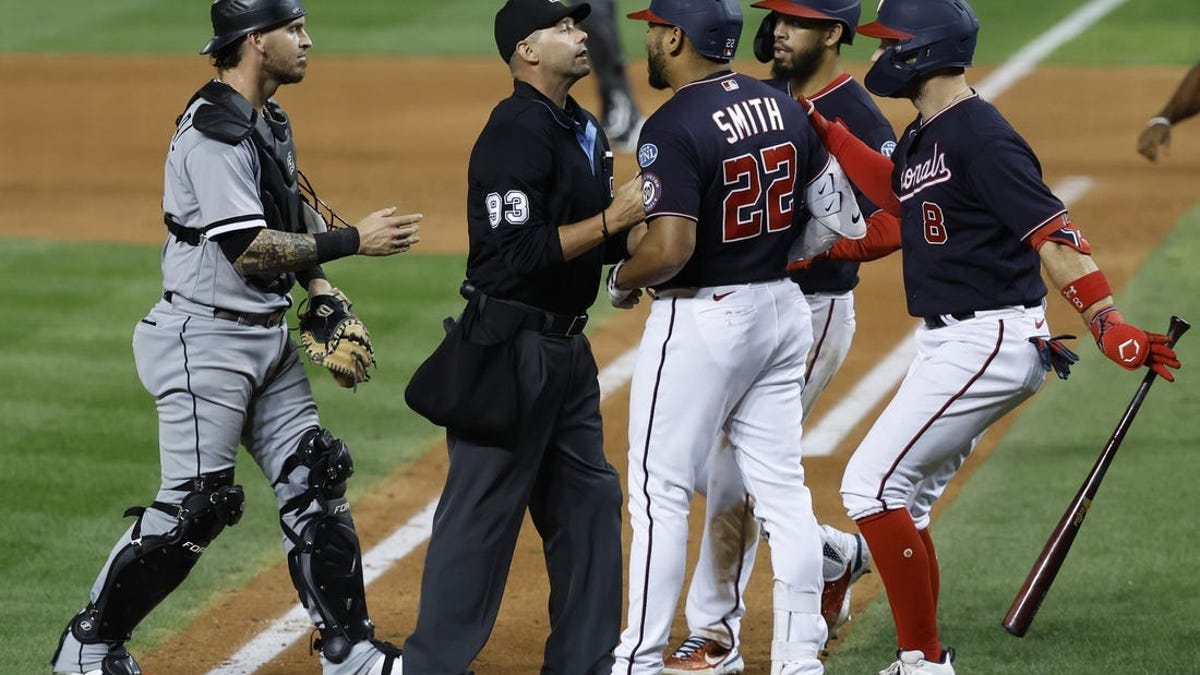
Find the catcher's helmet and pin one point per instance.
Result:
(232, 19)
(931, 35)
(713, 26)
(845, 12)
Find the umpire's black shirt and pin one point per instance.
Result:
(534, 168)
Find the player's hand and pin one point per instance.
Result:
(819, 123)
(385, 233)
(804, 263)
(1131, 347)
(621, 299)
(1153, 140)
(627, 207)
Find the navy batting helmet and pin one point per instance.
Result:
(713, 26)
(845, 12)
(931, 35)
(232, 19)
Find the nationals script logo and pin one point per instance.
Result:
(924, 174)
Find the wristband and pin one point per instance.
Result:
(1159, 120)
(604, 224)
(335, 244)
(1087, 290)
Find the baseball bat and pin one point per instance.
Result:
(1037, 584)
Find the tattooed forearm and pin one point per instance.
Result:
(273, 252)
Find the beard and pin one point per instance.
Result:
(801, 66)
(657, 67)
(282, 71)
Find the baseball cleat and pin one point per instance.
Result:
(117, 662)
(702, 656)
(914, 663)
(846, 559)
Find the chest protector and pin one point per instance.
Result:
(228, 117)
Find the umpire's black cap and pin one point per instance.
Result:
(232, 19)
(517, 19)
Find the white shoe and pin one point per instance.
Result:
(846, 559)
(914, 663)
(702, 656)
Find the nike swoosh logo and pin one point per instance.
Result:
(855, 218)
(1039, 324)
(721, 296)
(821, 190)
(715, 660)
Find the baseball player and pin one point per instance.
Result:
(619, 112)
(730, 174)
(802, 39)
(542, 221)
(1184, 103)
(216, 355)
(976, 224)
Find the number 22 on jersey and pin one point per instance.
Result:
(750, 177)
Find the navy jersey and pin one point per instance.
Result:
(734, 155)
(846, 100)
(534, 168)
(971, 193)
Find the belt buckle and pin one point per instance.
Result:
(575, 319)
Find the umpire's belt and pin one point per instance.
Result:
(532, 318)
(263, 320)
(943, 320)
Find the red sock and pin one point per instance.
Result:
(903, 562)
(935, 575)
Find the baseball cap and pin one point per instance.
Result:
(518, 19)
(713, 26)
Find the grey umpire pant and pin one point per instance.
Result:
(559, 472)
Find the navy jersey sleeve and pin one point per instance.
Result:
(670, 171)
(515, 181)
(1008, 180)
(818, 156)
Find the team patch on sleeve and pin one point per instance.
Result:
(647, 154)
(887, 148)
(651, 190)
(1061, 230)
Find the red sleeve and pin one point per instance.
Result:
(870, 171)
(883, 238)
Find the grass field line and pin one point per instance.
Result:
(287, 629)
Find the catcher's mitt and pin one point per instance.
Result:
(337, 339)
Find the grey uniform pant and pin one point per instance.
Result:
(559, 472)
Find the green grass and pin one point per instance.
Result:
(1125, 600)
(1140, 32)
(80, 432)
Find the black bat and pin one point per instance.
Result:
(1037, 584)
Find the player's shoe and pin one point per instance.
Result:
(117, 662)
(622, 123)
(702, 656)
(846, 559)
(914, 663)
(390, 661)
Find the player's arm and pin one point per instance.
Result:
(1067, 259)
(867, 168)
(271, 251)
(882, 239)
(1184, 103)
(625, 211)
(666, 247)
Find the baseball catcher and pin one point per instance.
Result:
(335, 338)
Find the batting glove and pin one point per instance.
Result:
(621, 299)
(1131, 347)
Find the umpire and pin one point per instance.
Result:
(542, 220)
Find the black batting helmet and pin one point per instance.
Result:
(232, 19)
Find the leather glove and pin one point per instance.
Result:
(621, 299)
(1131, 347)
(1055, 355)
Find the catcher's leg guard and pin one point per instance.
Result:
(143, 573)
(326, 562)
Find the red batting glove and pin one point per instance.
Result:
(1131, 347)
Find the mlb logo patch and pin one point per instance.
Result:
(729, 85)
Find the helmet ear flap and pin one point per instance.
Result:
(764, 39)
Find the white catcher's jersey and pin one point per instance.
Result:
(212, 187)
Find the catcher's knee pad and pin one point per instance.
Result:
(147, 569)
(326, 561)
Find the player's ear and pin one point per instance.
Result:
(834, 34)
(527, 51)
(674, 41)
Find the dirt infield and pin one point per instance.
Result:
(83, 157)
